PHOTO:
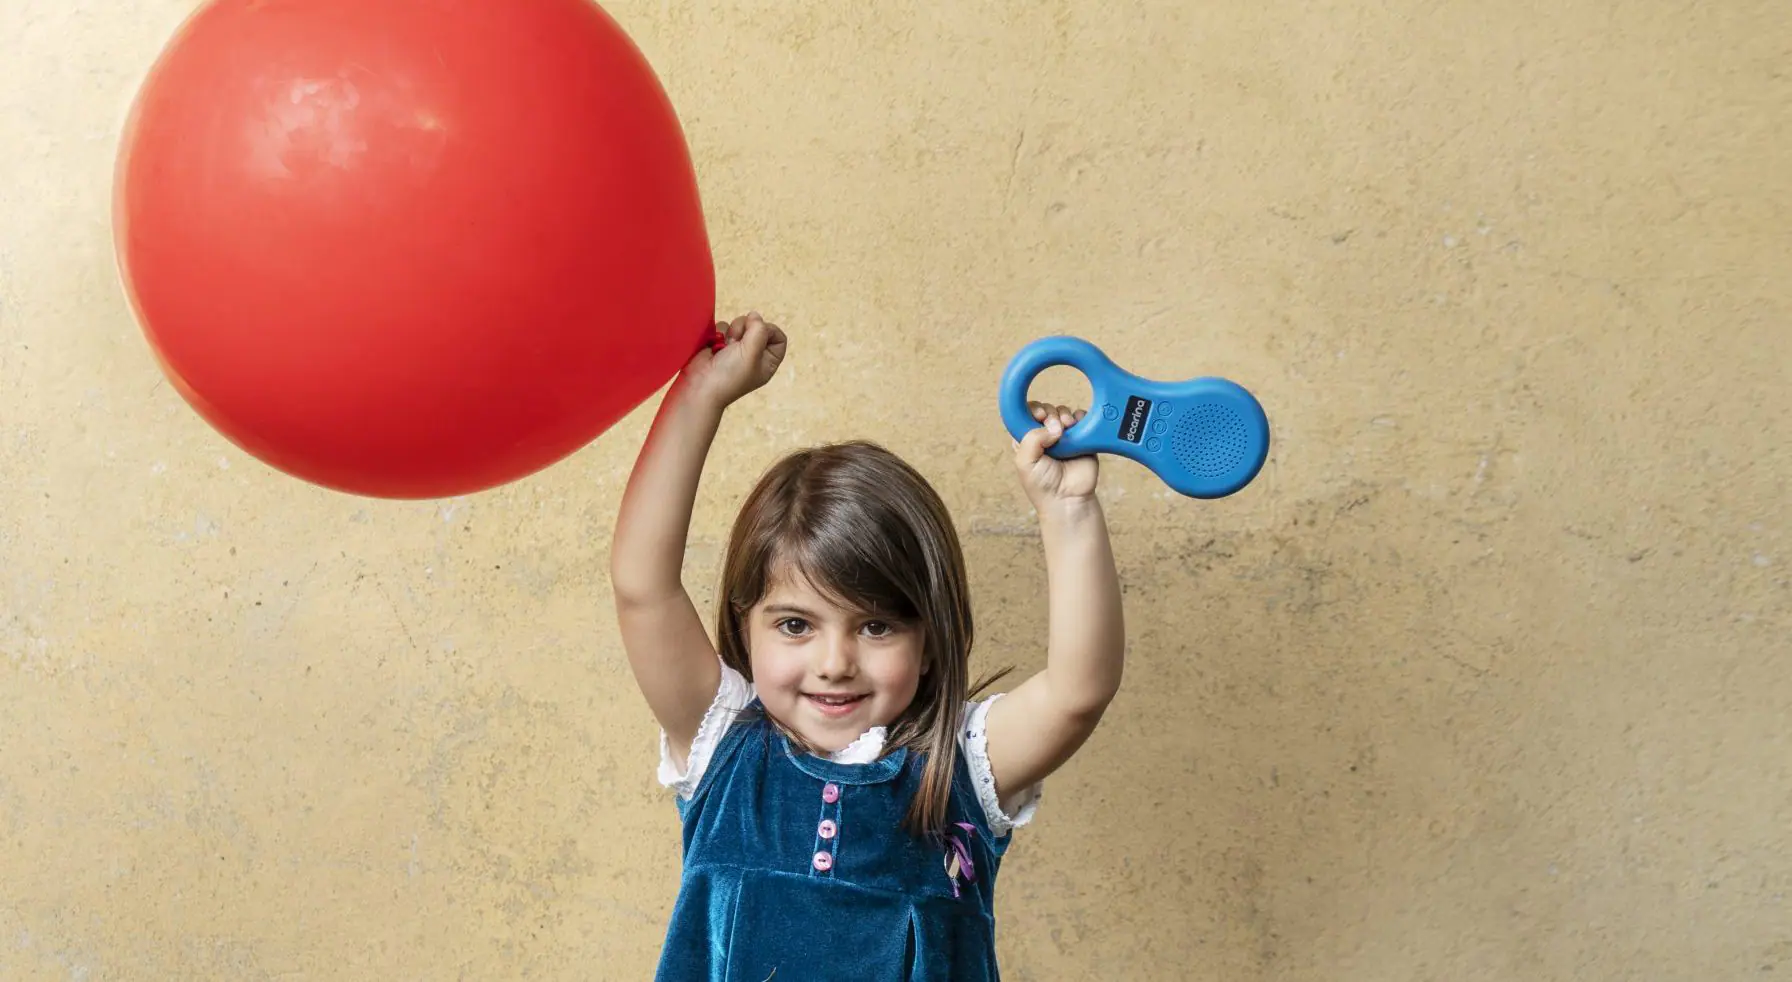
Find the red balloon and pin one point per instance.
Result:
(407, 248)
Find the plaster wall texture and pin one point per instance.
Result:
(1486, 678)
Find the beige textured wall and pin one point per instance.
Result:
(1486, 678)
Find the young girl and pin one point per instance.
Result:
(845, 804)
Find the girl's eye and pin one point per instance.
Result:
(793, 626)
(879, 629)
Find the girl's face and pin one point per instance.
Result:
(826, 672)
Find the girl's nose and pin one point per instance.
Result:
(836, 656)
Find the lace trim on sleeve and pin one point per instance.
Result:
(732, 696)
(976, 752)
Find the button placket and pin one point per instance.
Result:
(827, 831)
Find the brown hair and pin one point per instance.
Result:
(867, 530)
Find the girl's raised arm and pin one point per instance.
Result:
(1046, 719)
(672, 657)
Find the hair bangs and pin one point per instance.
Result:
(848, 567)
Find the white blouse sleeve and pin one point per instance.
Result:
(732, 696)
(975, 743)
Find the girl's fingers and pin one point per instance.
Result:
(1031, 447)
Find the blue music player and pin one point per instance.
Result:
(1205, 437)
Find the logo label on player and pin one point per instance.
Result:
(1132, 422)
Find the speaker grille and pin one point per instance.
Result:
(1211, 440)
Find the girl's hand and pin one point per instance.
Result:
(1048, 479)
(749, 355)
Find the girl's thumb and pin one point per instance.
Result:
(754, 338)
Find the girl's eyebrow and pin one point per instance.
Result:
(790, 609)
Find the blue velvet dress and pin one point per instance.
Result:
(797, 869)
